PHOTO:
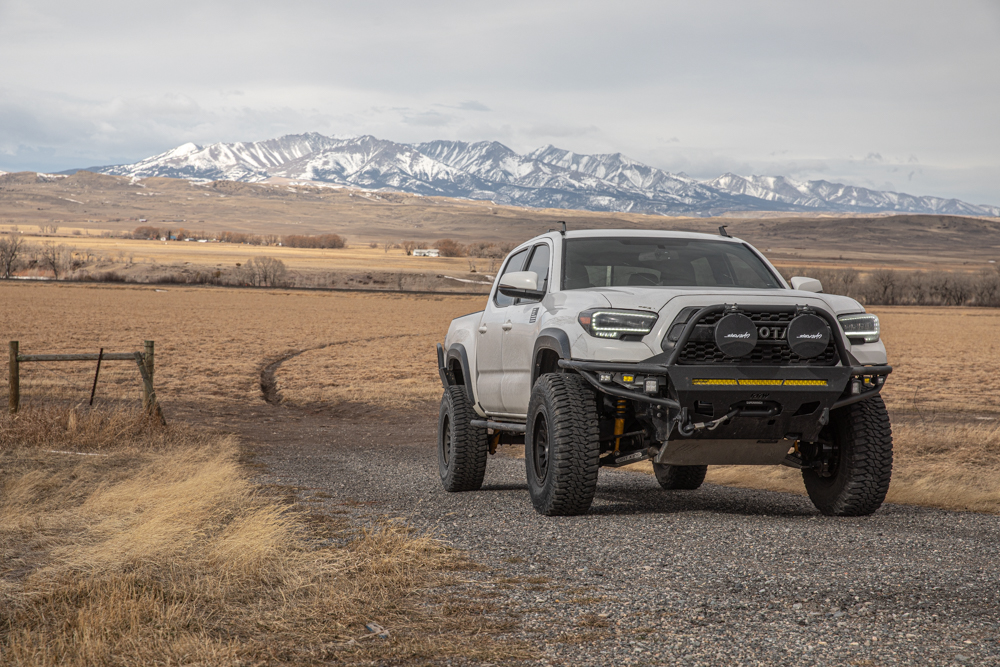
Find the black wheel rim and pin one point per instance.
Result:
(540, 448)
(445, 445)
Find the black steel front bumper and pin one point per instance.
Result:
(704, 400)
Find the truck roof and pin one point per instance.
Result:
(641, 233)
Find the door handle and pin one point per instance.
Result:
(507, 326)
(482, 329)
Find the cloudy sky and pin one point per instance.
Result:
(894, 94)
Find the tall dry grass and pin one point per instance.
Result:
(122, 543)
(952, 465)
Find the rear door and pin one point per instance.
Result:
(519, 341)
(489, 347)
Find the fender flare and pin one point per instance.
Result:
(457, 353)
(549, 339)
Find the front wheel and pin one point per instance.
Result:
(561, 445)
(857, 475)
(462, 448)
(679, 478)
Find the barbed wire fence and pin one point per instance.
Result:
(98, 379)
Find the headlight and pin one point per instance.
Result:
(861, 325)
(616, 323)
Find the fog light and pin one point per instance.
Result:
(652, 386)
(605, 377)
(628, 378)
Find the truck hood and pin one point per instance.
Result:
(656, 299)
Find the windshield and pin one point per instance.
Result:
(663, 262)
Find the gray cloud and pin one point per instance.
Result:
(472, 105)
(746, 84)
(428, 119)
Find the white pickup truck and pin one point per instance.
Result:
(607, 347)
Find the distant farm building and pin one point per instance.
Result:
(426, 252)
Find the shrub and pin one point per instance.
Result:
(318, 241)
(450, 248)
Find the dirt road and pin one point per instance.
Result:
(715, 576)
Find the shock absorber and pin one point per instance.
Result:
(619, 422)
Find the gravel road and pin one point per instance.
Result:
(717, 576)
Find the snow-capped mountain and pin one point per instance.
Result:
(548, 177)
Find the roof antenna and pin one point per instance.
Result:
(563, 230)
(722, 231)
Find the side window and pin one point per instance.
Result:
(540, 264)
(516, 263)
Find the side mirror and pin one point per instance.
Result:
(806, 284)
(520, 284)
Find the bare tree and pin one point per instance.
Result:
(53, 257)
(387, 246)
(988, 288)
(264, 272)
(11, 246)
(884, 287)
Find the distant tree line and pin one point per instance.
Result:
(452, 248)
(294, 241)
(893, 287)
(318, 241)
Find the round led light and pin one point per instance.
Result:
(808, 335)
(736, 335)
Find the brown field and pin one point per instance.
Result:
(355, 351)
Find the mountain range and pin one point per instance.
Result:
(547, 177)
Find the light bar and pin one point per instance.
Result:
(758, 383)
(860, 325)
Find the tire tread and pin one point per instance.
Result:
(574, 449)
(470, 445)
(868, 454)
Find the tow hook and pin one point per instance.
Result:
(686, 427)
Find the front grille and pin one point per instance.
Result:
(701, 347)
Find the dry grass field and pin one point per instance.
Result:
(213, 343)
(157, 549)
(356, 351)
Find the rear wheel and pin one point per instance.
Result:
(679, 478)
(462, 449)
(561, 445)
(859, 468)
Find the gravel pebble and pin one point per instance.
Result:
(717, 576)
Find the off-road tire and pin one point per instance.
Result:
(679, 478)
(859, 480)
(462, 449)
(562, 429)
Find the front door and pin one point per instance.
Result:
(519, 341)
(489, 346)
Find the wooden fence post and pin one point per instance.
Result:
(14, 399)
(149, 402)
(147, 362)
(149, 359)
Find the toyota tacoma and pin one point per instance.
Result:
(608, 347)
